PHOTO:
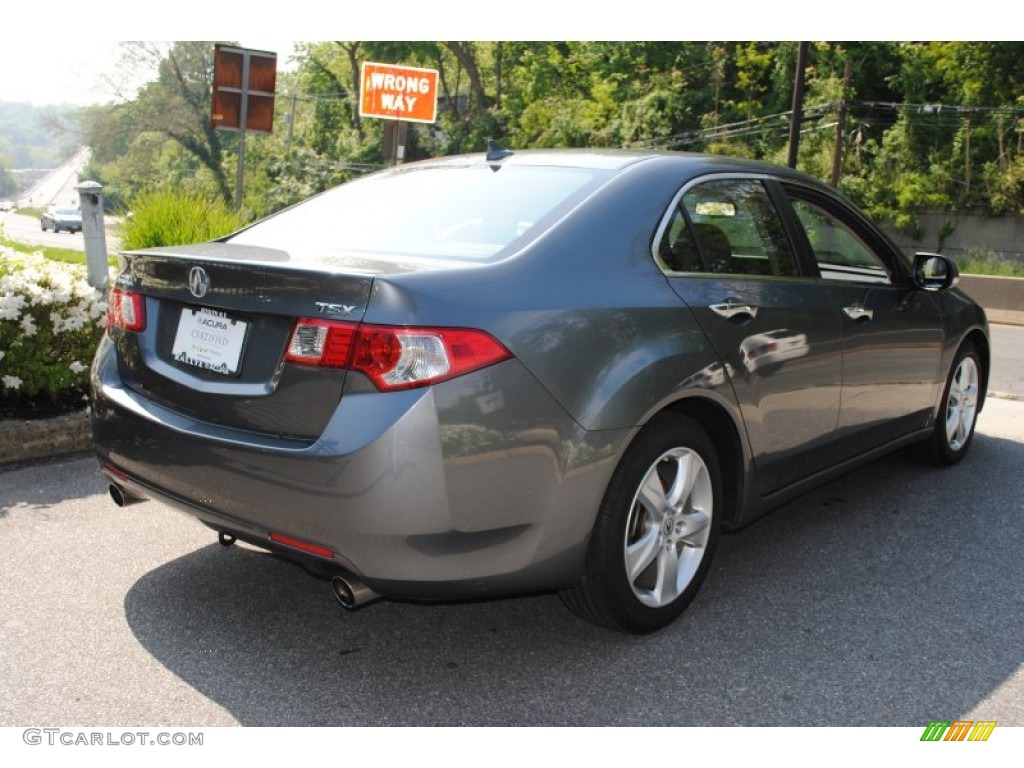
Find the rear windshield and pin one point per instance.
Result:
(450, 212)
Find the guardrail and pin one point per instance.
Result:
(1002, 297)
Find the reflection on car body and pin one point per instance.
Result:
(549, 374)
(764, 349)
(711, 375)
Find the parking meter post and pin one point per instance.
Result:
(90, 196)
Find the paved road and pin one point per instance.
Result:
(25, 229)
(890, 597)
(58, 187)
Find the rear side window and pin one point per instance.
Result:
(468, 213)
(727, 226)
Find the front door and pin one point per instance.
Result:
(892, 337)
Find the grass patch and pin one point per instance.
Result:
(977, 261)
(30, 211)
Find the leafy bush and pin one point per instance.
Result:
(164, 217)
(51, 320)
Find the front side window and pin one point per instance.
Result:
(727, 226)
(840, 253)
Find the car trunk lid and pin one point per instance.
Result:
(218, 319)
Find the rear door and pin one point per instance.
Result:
(726, 254)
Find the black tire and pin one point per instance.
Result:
(631, 533)
(958, 413)
(42, 225)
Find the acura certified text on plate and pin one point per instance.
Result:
(529, 371)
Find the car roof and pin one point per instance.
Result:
(690, 163)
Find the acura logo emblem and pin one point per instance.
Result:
(198, 282)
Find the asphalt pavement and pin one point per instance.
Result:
(26, 229)
(891, 597)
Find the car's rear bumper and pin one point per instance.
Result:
(480, 485)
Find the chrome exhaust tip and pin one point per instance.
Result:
(351, 592)
(122, 497)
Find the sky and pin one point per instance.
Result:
(76, 63)
(82, 76)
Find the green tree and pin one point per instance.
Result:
(177, 105)
(903, 151)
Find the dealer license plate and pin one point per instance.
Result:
(209, 339)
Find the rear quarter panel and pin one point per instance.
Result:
(583, 307)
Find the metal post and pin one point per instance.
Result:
(401, 136)
(396, 133)
(243, 118)
(90, 197)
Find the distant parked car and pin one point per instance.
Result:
(6, 205)
(57, 219)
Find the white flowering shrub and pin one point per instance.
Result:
(51, 320)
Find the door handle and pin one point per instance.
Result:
(733, 309)
(859, 313)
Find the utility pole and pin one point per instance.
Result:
(798, 103)
(967, 153)
(291, 126)
(837, 157)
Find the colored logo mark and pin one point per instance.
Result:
(958, 730)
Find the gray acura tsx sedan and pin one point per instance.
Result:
(525, 371)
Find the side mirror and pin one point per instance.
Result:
(935, 272)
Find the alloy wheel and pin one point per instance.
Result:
(669, 527)
(962, 404)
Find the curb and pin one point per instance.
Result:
(44, 438)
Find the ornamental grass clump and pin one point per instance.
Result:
(166, 217)
(51, 321)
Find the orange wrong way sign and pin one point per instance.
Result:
(398, 93)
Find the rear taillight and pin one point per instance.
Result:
(321, 342)
(126, 310)
(394, 357)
